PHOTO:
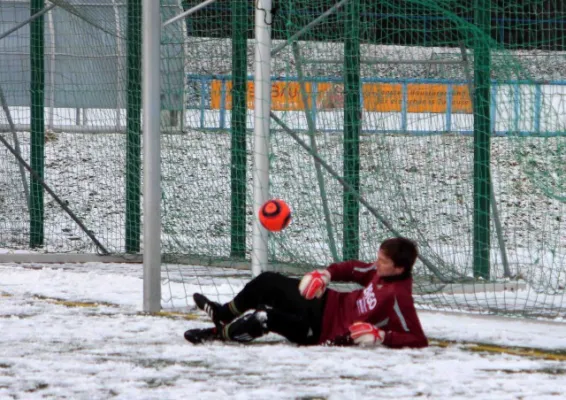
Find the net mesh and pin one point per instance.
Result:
(421, 156)
(64, 85)
(376, 93)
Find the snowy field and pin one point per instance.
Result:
(76, 332)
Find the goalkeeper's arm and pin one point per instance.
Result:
(352, 271)
(314, 283)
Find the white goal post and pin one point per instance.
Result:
(262, 109)
(151, 94)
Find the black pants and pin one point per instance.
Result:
(288, 313)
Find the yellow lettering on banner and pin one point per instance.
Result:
(379, 97)
(216, 95)
(382, 97)
(330, 96)
(426, 98)
(285, 96)
(461, 102)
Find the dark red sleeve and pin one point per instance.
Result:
(408, 332)
(352, 271)
(405, 339)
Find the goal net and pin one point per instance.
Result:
(379, 92)
(440, 122)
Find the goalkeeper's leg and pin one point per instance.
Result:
(275, 291)
(296, 328)
(267, 289)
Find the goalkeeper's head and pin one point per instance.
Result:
(403, 252)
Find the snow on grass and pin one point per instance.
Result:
(52, 349)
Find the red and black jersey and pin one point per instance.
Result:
(387, 304)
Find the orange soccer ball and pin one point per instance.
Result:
(275, 215)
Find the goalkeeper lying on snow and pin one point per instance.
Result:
(306, 313)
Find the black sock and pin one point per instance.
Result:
(227, 312)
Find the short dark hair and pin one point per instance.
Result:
(402, 251)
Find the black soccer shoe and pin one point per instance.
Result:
(246, 328)
(209, 307)
(198, 336)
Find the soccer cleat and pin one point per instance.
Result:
(209, 307)
(198, 336)
(246, 328)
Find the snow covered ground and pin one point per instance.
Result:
(76, 331)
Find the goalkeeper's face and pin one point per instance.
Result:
(385, 265)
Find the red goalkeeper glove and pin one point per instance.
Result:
(314, 284)
(365, 334)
